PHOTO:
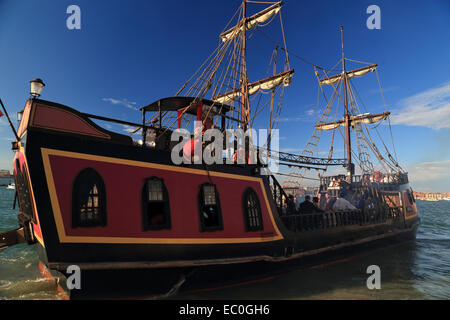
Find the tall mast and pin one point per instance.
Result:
(272, 101)
(346, 115)
(244, 67)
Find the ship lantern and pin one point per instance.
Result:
(19, 116)
(36, 86)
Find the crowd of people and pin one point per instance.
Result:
(324, 202)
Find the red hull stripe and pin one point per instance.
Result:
(124, 180)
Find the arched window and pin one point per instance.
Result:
(88, 200)
(210, 211)
(155, 205)
(252, 211)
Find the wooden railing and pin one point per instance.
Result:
(280, 197)
(327, 220)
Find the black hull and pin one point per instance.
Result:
(167, 283)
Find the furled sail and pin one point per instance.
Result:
(265, 84)
(366, 118)
(350, 74)
(252, 22)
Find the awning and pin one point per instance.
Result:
(178, 103)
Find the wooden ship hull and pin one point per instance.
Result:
(129, 217)
(58, 143)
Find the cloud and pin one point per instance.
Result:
(387, 89)
(326, 152)
(430, 170)
(129, 129)
(123, 102)
(289, 150)
(306, 117)
(4, 126)
(430, 175)
(430, 108)
(296, 119)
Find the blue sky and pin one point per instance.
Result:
(130, 53)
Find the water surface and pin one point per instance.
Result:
(413, 270)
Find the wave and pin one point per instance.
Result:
(22, 288)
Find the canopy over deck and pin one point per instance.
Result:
(179, 103)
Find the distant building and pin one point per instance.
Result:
(430, 196)
(4, 173)
(301, 192)
(311, 191)
(293, 190)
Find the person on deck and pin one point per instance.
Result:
(306, 207)
(327, 203)
(297, 203)
(322, 200)
(342, 204)
(291, 205)
(360, 202)
(343, 184)
(316, 205)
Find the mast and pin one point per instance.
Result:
(346, 115)
(244, 66)
(272, 101)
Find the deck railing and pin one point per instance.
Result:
(280, 197)
(327, 220)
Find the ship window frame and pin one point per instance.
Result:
(164, 202)
(90, 178)
(201, 202)
(249, 192)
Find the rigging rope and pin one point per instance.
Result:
(389, 117)
(377, 152)
(368, 63)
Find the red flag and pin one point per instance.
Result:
(1, 114)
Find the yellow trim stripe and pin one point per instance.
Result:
(22, 150)
(82, 239)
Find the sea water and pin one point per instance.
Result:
(417, 269)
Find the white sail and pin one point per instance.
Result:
(330, 126)
(266, 84)
(350, 74)
(252, 22)
(367, 119)
(371, 119)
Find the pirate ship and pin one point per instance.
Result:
(118, 206)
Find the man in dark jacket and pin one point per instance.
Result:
(306, 207)
(316, 205)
